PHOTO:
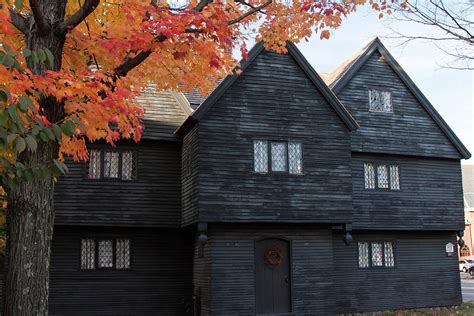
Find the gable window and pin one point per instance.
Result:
(112, 164)
(376, 254)
(278, 157)
(381, 176)
(105, 254)
(380, 101)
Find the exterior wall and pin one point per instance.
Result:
(158, 283)
(232, 274)
(154, 199)
(190, 176)
(409, 130)
(273, 100)
(430, 195)
(423, 275)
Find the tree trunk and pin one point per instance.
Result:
(30, 214)
(30, 219)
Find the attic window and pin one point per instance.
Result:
(380, 101)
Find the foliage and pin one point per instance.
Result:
(115, 48)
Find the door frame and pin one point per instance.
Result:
(290, 267)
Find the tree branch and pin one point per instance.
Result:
(19, 21)
(80, 15)
(249, 12)
(41, 24)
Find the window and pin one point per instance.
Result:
(112, 164)
(382, 176)
(376, 254)
(278, 157)
(105, 254)
(380, 101)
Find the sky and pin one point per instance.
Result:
(450, 91)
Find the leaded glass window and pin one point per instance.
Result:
(94, 164)
(382, 176)
(260, 156)
(394, 178)
(111, 164)
(377, 254)
(363, 254)
(295, 158)
(388, 254)
(122, 254)
(87, 254)
(380, 101)
(369, 175)
(105, 253)
(128, 165)
(279, 157)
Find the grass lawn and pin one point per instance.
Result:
(466, 309)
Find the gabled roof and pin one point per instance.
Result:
(338, 79)
(341, 111)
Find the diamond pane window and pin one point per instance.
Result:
(388, 254)
(382, 176)
(122, 254)
(87, 254)
(128, 165)
(260, 156)
(111, 164)
(377, 254)
(94, 164)
(363, 254)
(106, 253)
(394, 178)
(295, 156)
(369, 175)
(380, 101)
(279, 157)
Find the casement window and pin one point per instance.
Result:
(381, 176)
(276, 156)
(106, 253)
(380, 101)
(376, 254)
(112, 164)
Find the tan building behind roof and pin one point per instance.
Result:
(468, 189)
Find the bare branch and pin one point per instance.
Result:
(80, 15)
(202, 4)
(43, 26)
(250, 12)
(18, 21)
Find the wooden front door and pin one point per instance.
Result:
(273, 276)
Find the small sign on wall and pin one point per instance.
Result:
(449, 249)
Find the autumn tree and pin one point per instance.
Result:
(69, 75)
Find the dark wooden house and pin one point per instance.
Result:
(279, 193)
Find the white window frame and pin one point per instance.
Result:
(381, 95)
(290, 164)
(391, 184)
(385, 256)
(86, 266)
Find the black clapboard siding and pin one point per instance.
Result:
(430, 197)
(159, 282)
(273, 99)
(232, 274)
(154, 199)
(409, 130)
(190, 176)
(423, 275)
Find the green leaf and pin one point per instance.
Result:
(61, 166)
(31, 142)
(43, 136)
(25, 103)
(49, 58)
(34, 57)
(5, 95)
(20, 145)
(35, 130)
(50, 133)
(12, 111)
(8, 61)
(4, 117)
(11, 138)
(57, 131)
(18, 4)
(29, 175)
(26, 52)
(41, 55)
(68, 128)
(6, 48)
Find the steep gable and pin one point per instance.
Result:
(414, 127)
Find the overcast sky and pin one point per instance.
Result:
(450, 91)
